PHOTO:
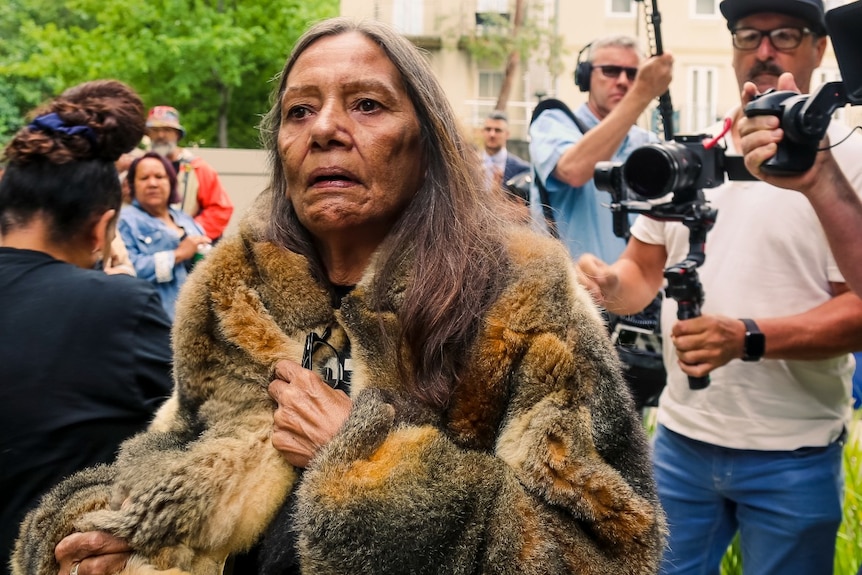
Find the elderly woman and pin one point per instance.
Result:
(446, 399)
(161, 241)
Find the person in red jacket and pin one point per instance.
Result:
(202, 195)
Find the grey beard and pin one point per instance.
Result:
(163, 148)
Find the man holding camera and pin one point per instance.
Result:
(759, 449)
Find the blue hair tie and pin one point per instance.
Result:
(53, 123)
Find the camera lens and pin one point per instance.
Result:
(655, 170)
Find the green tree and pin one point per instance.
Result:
(214, 60)
(507, 41)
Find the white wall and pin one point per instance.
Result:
(243, 173)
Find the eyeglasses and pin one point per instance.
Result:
(786, 38)
(612, 71)
(312, 342)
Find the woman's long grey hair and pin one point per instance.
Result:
(452, 229)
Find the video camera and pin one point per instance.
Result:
(681, 169)
(805, 118)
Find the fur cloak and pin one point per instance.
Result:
(539, 463)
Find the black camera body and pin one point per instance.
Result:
(805, 118)
(681, 168)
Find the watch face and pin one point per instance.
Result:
(755, 345)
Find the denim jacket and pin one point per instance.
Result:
(151, 246)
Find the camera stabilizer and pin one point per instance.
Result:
(682, 167)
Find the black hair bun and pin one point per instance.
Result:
(101, 119)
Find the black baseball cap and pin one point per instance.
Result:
(809, 10)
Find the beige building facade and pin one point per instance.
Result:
(703, 90)
(704, 86)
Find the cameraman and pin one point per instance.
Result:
(759, 450)
(835, 201)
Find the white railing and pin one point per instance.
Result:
(519, 112)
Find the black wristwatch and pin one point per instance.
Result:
(755, 342)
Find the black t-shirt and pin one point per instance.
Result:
(84, 363)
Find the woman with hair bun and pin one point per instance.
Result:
(84, 356)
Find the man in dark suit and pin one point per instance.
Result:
(500, 164)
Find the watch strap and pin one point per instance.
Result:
(754, 345)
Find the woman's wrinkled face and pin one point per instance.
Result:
(349, 139)
(152, 186)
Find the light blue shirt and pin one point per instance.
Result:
(151, 244)
(583, 223)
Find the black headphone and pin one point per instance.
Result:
(583, 70)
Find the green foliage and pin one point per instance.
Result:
(848, 550)
(495, 39)
(210, 59)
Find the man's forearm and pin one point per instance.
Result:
(840, 211)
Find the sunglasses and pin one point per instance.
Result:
(612, 71)
(334, 379)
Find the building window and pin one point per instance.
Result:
(621, 7)
(704, 8)
(489, 14)
(701, 108)
(407, 16)
(490, 83)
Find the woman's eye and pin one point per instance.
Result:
(297, 112)
(368, 105)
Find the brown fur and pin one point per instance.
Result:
(537, 465)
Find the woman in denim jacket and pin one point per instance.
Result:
(161, 240)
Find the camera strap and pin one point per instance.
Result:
(552, 104)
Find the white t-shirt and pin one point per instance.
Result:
(766, 256)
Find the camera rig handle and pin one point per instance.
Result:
(683, 285)
(683, 282)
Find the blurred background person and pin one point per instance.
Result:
(200, 192)
(501, 165)
(84, 357)
(162, 241)
(565, 147)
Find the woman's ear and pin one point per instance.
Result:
(103, 233)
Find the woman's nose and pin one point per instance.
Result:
(328, 126)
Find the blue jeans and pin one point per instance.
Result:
(786, 506)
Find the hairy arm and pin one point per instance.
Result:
(828, 330)
(835, 201)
